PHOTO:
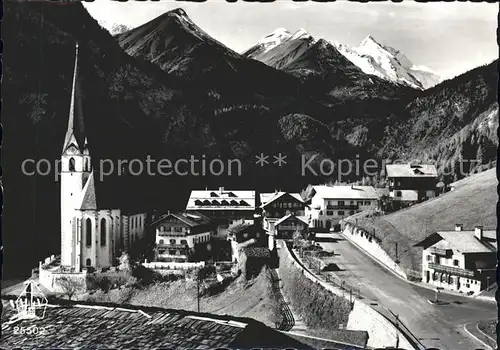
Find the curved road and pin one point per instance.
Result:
(436, 326)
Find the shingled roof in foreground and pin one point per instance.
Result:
(72, 325)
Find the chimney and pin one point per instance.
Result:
(221, 189)
(459, 227)
(478, 232)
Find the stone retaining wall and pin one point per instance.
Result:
(382, 332)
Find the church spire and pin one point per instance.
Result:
(75, 133)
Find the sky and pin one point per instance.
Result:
(450, 38)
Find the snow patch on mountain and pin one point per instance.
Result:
(273, 39)
(388, 63)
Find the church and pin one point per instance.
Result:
(93, 234)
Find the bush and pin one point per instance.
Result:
(107, 281)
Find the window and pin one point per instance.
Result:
(450, 280)
(161, 252)
(341, 213)
(171, 252)
(87, 262)
(429, 257)
(360, 202)
(87, 168)
(172, 241)
(467, 285)
(367, 203)
(329, 212)
(341, 203)
(351, 212)
(183, 241)
(88, 232)
(455, 262)
(162, 241)
(352, 202)
(177, 229)
(398, 193)
(103, 232)
(435, 276)
(72, 164)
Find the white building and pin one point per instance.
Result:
(181, 236)
(330, 204)
(228, 208)
(411, 182)
(460, 260)
(92, 234)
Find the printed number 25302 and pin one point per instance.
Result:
(31, 330)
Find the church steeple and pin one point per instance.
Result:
(75, 134)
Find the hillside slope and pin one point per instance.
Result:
(472, 202)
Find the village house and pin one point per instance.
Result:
(286, 227)
(95, 228)
(246, 235)
(410, 183)
(330, 204)
(227, 208)
(459, 260)
(183, 236)
(277, 205)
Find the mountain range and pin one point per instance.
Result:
(280, 48)
(168, 90)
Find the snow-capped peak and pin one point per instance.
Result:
(388, 63)
(299, 34)
(276, 37)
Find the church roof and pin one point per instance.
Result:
(75, 133)
(89, 198)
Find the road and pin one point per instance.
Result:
(436, 326)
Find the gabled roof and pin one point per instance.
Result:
(268, 198)
(221, 199)
(346, 192)
(411, 170)
(113, 326)
(463, 241)
(191, 218)
(286, 217)
(89, 196)
(75, 134)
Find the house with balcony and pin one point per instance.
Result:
(227, 208)
(330, 204)
(285, 227)
(460, 260)
(277, 205)
(411, 183)
(183, 236)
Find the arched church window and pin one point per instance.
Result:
(71, 164)
(88, 232)
(87, 167)
(87, 262)
(103, 232)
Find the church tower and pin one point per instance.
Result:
(75, 170)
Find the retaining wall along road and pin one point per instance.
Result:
(381, 331)
(368, 242)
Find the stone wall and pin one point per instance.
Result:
(381, 331)
(51, 279)
(369, 243)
